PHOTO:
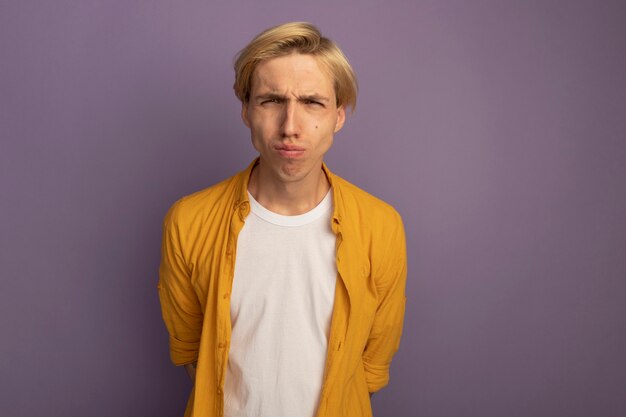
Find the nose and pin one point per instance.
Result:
(290, 124)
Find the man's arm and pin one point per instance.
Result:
(181, 309)
(390, 278)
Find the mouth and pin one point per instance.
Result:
(289, 151)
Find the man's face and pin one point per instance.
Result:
(292, 115)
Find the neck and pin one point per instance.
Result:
(288, 198)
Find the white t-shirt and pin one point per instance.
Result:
(281, 308)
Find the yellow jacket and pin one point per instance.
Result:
(198, 259)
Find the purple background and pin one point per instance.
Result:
(497, 129)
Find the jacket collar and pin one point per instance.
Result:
(242, 202)
(337, 201)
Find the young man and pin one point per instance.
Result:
(282, 287)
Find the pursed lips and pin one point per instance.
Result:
(289, 151)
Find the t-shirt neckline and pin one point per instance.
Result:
(315, 213)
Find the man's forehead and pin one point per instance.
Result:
(278, 90)
(279, 73)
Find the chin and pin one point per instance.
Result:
(291, 172)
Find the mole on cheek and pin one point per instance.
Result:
(316, 126)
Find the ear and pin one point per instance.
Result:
(341, 118)
(244, 114)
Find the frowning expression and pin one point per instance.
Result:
(292, 115)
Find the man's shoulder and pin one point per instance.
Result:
(355, 200)
(208, 202)
(211, 194)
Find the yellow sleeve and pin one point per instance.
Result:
(384, 338)
(179, 303)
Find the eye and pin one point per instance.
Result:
(313, 102)
(271, 101)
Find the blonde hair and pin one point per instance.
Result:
(301, 38)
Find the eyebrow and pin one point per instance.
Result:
(314, 97)
(280, 97)
(270, 96)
